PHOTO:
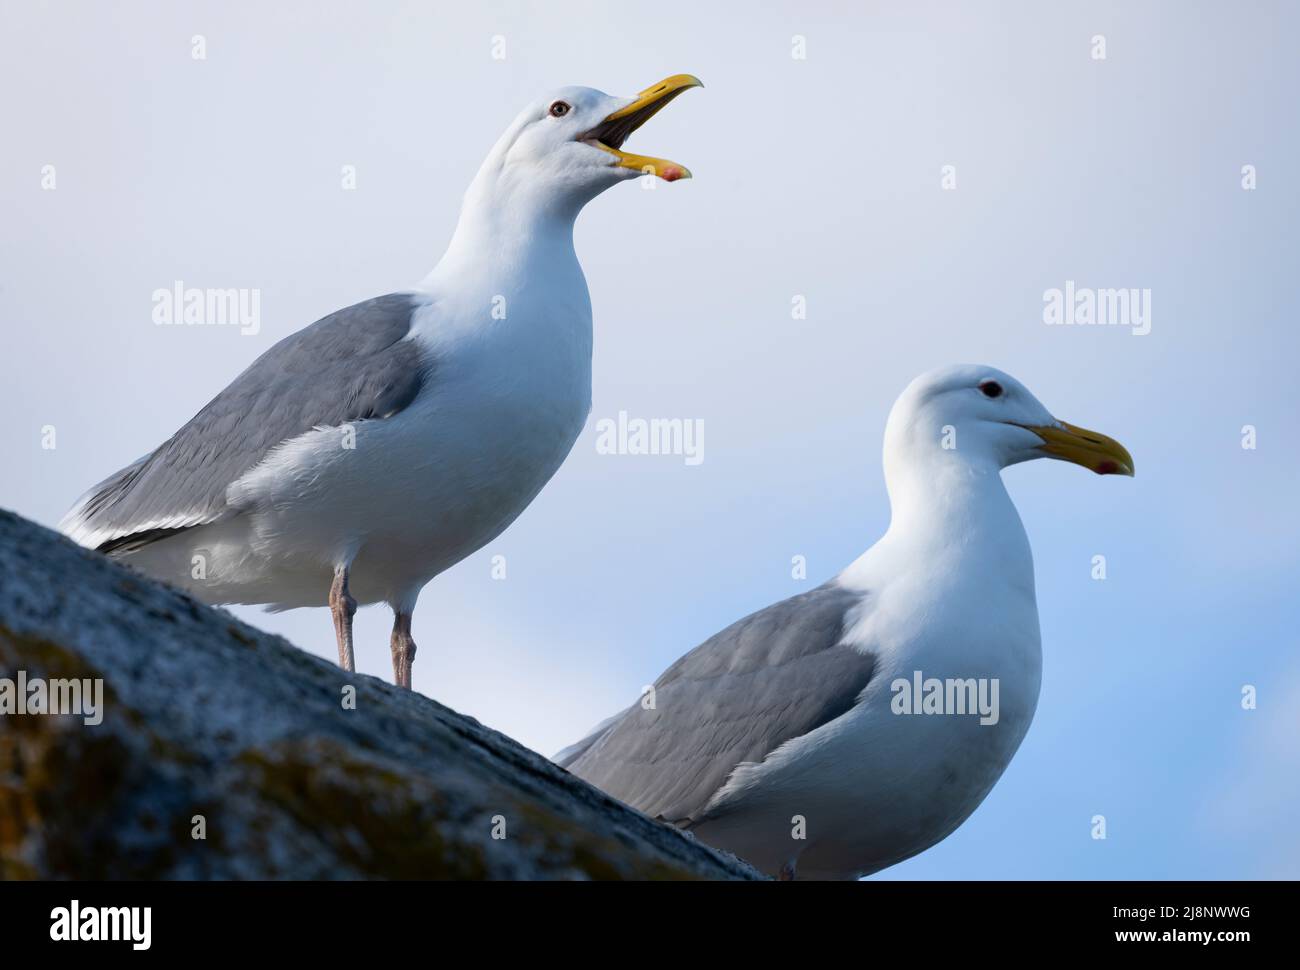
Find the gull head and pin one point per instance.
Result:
(568, 144)
(986, 418)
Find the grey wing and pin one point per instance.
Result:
(771, 677)
(352, 365)
(567, 756)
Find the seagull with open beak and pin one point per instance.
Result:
(363, 455)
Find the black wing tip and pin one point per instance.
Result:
(137, 540)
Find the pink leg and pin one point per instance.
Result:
(343, 607)
(403, 648)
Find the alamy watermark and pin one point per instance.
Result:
(1084, 307)
(76, 923)
(953, 695)
(192, 306)
(82, 698)
(651, 436)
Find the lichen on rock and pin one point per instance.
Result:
(212, 728)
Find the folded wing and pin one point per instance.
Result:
(773, 676)
(352, 365)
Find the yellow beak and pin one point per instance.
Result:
(610, 134)
(1104, 455)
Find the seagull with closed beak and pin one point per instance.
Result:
(850, 727)
(363, 455)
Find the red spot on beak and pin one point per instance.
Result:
(672, 174)
(1107, 468)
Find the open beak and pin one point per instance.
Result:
(610, 134)
(1105, 456)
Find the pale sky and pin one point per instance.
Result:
(818, 177)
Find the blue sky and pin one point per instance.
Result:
(818, 177)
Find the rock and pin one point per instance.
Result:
(209, 723)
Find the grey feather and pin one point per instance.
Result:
(773, 676)
(567, 756)
(352, 365)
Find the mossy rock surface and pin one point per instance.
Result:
(205, 717)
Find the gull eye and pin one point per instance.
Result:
(559, 109)
(991, 388)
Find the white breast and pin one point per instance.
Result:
(876, 786)
(418, 491)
